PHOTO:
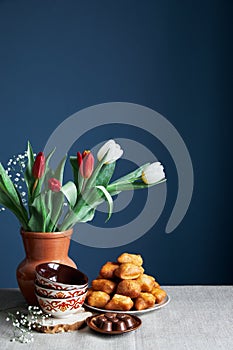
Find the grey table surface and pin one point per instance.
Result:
(198, 317)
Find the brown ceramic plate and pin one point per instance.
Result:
(91, 324)
(133, 312)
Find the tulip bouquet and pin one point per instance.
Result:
(49, 205)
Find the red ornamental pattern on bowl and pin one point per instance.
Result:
(58, 294)
(61, 307)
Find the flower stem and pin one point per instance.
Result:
(35, 185)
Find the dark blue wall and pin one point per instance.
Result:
(58, 57)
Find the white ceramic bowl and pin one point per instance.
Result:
(46, 292)
(61, 308)
(60, 277)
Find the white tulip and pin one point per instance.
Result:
(114, 152)
(153, 173)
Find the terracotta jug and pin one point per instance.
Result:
(41, 247)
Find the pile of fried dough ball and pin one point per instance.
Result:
(122, 285)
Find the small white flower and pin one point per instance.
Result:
(114, 152)
(153, 173)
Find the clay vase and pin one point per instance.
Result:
(41, 247)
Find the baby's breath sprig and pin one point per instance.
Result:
(15, 170)
(24, 324)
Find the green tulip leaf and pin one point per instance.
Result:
(58, 174)
(74, 164)
(28, 172)
(7, 202)
(49, 174)
(57, 201)
(88, 216)
(9, 186)
(37, 222)
(108, 198)
(105, 174)
(70, 192)
(48, 204)
(12, 193)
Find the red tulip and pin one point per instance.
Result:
(54, 185)
(39, 166)
(85, 163)
(79, 159)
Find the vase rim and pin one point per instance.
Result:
(44, 235)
